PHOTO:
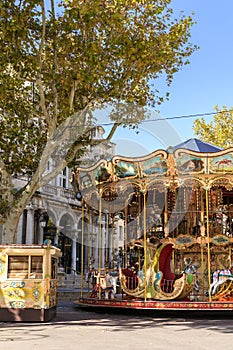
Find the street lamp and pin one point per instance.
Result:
(43, 219)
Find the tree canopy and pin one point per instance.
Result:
(60, 62)
(219, 131)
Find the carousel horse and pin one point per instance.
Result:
(220, 277)
(107, 285)
(111, 280)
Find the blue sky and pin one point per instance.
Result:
(207, 81)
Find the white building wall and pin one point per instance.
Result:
(58, 197)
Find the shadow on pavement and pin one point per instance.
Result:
(117, 321)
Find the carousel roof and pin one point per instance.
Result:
(197, 145)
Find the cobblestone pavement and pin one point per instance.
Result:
(74, 328)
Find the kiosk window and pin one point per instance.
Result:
(23, 267)
(36, 267)
(17, 267)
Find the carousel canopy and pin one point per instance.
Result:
(186, 160)
(197, 145)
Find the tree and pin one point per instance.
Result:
(219, 131)
(57, 68)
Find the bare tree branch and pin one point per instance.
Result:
(109, 137)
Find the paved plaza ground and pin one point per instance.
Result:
(74, 328)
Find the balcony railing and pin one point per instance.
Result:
(67, 193)
(59, 192)
(49, 190)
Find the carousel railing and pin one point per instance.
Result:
(131, 278)
(167, 285)
(132, 282)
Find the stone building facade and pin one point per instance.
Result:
(55, 213)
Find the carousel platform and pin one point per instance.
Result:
(160, 308)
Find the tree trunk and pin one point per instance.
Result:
(10, 227)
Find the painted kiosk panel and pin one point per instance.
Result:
(28, 282)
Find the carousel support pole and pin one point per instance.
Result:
(144, 242)
(82, 248)
(93, 248)
(113, 246)
(139, 199)
(106, 242)
(202, 271)
(138, 234)
(139, 259)
(126, 236)
(202, 229)
(202, 207)
(173, 261)
(100, 242)
(166, 231)
(208, 237)
(89, 248)
(230, 257)
(92, 253)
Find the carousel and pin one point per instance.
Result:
(174, 209)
